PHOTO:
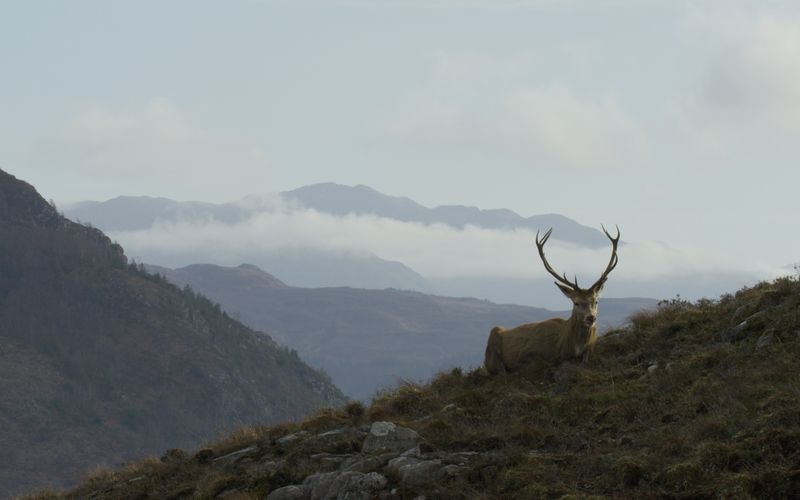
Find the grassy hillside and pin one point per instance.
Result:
(695, 400)
(369, 339)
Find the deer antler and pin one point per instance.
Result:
(612, 263)
(561, 279)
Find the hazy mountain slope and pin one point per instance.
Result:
(341, 200)
(367, 339)
(301, 266)
(694, 401)
(318, 267)
(130, 213)
(102, 362)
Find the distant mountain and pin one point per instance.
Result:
(306, 266)
(368, 339)
(342, 200)
(101, 362)
(131, 213)
(128, 213)
(301, 266)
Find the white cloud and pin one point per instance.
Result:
(549, 124)
(438, 4)
(156, 142)
(432, 250)
(751, 85)
(554, 124)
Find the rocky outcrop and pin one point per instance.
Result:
(388, 458)
(386, 436)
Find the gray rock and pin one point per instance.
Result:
(755, 317)
(395, 465)
(235, 456)
(414, 471)
(449, 408)
(349, 485)
(735, 333)
(231, 493)
(652, 368)
(357, 486)
(449, 471)
(413, 452)
(460, 458)
(331, 460)
(766, 339)
(264, 468)
(739, 313)
(320, 484)
(293, 492)
(290, 440)
(366, 464)
(337, 441)
(386, 436)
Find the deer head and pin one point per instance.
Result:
(584, 300)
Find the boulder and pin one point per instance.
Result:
(338, 441)
(293, 492)
(386, 436)
(291, 440)
(413, 471)
(357, 486)
(766, 339)
(319, 485)
(235, 456)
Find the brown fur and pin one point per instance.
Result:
(554, 339)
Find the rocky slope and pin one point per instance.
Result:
(101, 362)
(697, 400)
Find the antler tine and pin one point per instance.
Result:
(561, 279)
(612, 262)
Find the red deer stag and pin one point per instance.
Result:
(553, 339)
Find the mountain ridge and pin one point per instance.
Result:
(103, 362)
(331, 198)
(342, 200)
(368, 339)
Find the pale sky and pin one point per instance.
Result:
(677, 120)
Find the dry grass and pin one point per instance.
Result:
(716, 418)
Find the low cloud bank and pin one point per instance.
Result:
(435, 251)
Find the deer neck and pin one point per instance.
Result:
(577, 335)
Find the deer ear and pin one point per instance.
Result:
(565, 290)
